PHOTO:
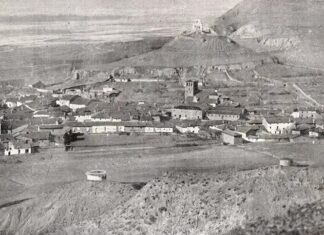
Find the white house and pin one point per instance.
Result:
(66, 100)
(306, 114)
(163, 129)
(12, 103)
(17, 148)
(278, 125)
(188, 129)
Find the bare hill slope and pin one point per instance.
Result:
(186, 51)
(292, 26)
(180, 203)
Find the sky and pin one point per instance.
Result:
(115, 7)
(111, 20)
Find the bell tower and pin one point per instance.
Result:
(191, 88)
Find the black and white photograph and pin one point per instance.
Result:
(161, 117)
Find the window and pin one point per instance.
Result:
(18, 151)
(27, 151)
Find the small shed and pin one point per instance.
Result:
(231, 137)
(96, 175)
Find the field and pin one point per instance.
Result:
(203, 190)
(225, 185)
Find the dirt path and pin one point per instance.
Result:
(305, 95)
(298, 89)
(231, 78)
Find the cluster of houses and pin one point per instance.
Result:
(34, 121)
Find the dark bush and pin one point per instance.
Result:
(138, 186)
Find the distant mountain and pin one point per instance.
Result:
(294, 27)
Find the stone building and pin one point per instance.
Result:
(226, 114)
(197, 26)
(187, 113)
(191, 88)
(278, 125)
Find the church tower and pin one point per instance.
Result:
(191, 88)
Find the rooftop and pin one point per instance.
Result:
(69, 97)
(39, 84)
(278, 119)
(232, 133)
(226, 110)
(183, 107)
(80, 101)
(39, 135)
(246, 129)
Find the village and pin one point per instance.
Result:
(217, 104)
(162, 117)
(35, 118)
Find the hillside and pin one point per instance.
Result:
(178, 203)
(184, 51)
(54, 63)
(292, 26)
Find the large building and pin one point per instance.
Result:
(120, 127)
(226, 114)
(187, 113)
(278, 125)
(306, 114)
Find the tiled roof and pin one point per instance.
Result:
(80, 101)
(39, 84)
(278, 119)
(226, 110)
(232, 133)
(39, 135)
(246, 129)
(69, 97)
(43, 127)
(183, 107)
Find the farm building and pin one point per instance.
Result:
(42, 139)
(187, 113)
(17, 148)
(54, 129)
(306, 114)
(96, 127)
(120, 127)
(83, 115)
(247, 131)
(225, 114)
(231, 137)
(278, 125)
(66, 100)
(188, 128)
(316, 133)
